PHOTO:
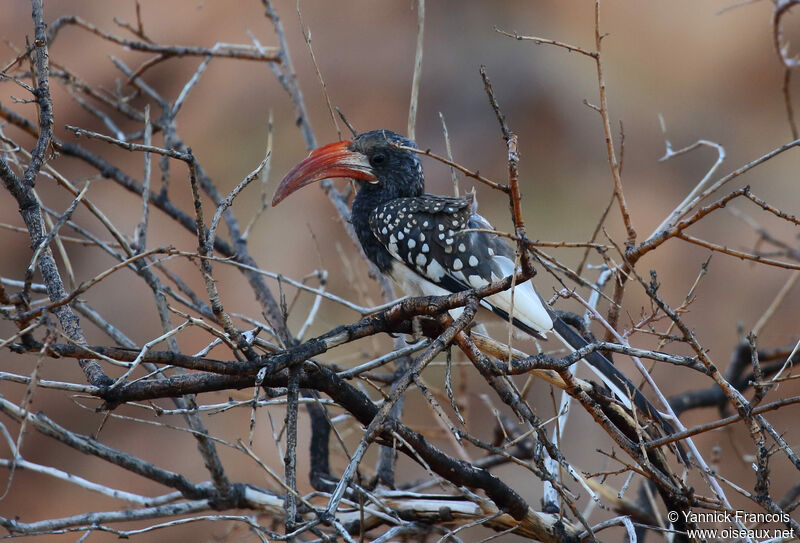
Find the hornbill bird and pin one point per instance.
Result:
(436, 245)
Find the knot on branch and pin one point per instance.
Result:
(26, 203)
(745, 410)
(234, 499)
(653, 285)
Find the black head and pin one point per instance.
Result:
(376, 159)
(398, 171)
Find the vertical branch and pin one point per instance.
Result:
(388, 455)
(612, 156)
(318, 447)
(140, 235)
(203, 246)
(22, 191)
(453, 175)
(787, 99)
(412, 109)
(307, 37)
(512, 189)
(290, 458)
(264, 178)
(286, 76)
(42, 94)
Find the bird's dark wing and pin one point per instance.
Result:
(436, 237)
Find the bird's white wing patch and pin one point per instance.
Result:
(528, 306)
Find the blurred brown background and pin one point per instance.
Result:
(712, 76)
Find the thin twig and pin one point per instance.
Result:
(417, 77)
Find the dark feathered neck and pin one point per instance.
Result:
(364, 204)
(371, 196)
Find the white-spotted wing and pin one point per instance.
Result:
(434, 236)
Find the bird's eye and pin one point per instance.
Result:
(377, 159)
